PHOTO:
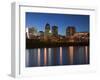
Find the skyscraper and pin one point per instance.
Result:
(70, 30)
(54, 30)
(47, 29)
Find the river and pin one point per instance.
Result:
(70, 55)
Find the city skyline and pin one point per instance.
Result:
(56, 39)
(62, 21)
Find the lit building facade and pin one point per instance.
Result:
(32, 31)
(70, 30)
(27, 33)
(47, 30)
(41, 33)
(54, 30)
(82, 36)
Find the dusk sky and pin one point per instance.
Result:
(39, 20)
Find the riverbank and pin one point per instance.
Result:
(30, 44)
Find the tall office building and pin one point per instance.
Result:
(47, 29)
(70, 30)
(54, 30)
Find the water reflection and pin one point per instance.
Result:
(71, 55)
(38, 56)
(60, 55)
(71, 51)
(49, 56)
(45, 56)
(86, 54)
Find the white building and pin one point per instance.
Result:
(32, 31)
(27, 32)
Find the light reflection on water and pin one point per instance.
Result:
(57, 56)
(71, 52)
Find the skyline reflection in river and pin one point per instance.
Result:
(71, 55)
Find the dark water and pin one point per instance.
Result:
(76, 55)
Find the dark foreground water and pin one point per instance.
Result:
(71, 55)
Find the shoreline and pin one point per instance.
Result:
(30, 44)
